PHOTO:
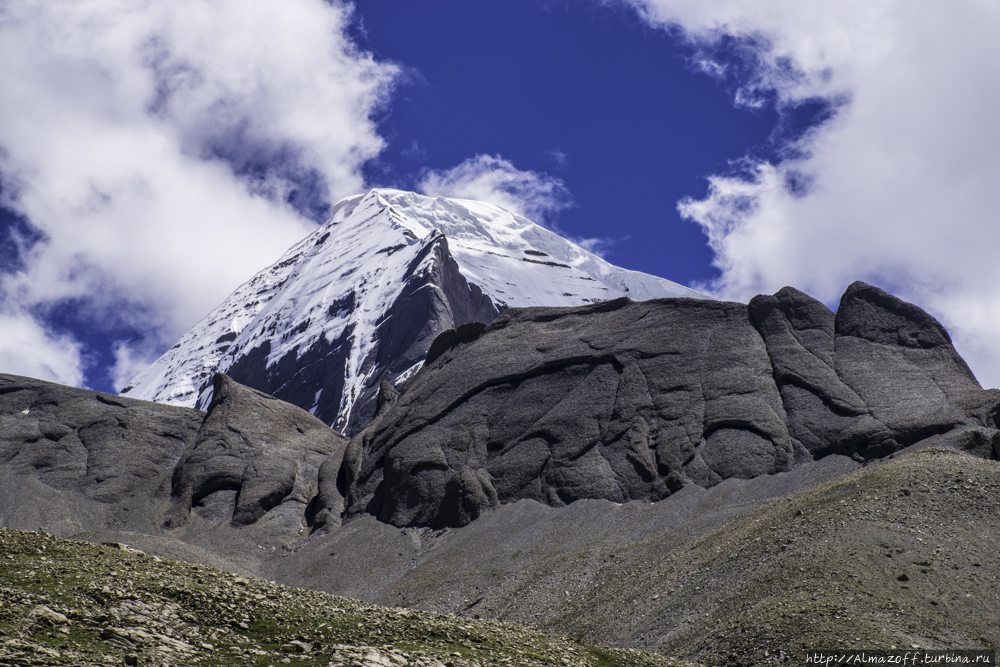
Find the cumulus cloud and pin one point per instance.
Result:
(495, 180)
(897, 188)
(166, 151)
(530, 194)
(28, 348)
(130, 360)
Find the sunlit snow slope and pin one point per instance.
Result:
(361, 299)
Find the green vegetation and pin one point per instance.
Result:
(64, 602)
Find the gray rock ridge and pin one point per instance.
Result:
(436, 298)
(627, 400)
(265, 450)
(878, 376)
(616, 401)
(619, 400)
(126, 464)
(102, 446)
(920, 385)
(824, 414)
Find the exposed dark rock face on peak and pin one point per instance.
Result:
(634, 400)
(435, 298)
(360, 300)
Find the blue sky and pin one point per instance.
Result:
(588, 94)
(153, 156)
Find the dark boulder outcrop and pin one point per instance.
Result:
(620, 400)
(880, 375)
(901, 362)
(118, 463)
(824, 414)
(631, 400)
(267, 451)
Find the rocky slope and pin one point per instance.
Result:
(74, 460)
(896, 553)
(66, 602)
(360, 300)
(618, 400)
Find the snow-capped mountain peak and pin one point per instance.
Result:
(360, 300)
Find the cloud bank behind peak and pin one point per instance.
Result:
(165, 151)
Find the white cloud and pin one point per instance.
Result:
(903, 180)
(492, 179)
(130, 360)
(536, 196)
(599, 246)
(28, 348)
(168, 150)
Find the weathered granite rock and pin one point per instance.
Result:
(103, 446)
(267, 450)
(151, 463)
(901, 362)
(633, 400)
(824, 414)
(620, 400)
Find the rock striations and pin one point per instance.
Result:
(265, 452)
(880, 375)
(628, 400)
(496, 481)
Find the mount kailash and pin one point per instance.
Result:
(360, 300)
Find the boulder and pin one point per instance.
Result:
(824, 414)
(618, 401)
(267, 451)
(900, 361)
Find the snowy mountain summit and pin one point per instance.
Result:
(360, 300)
